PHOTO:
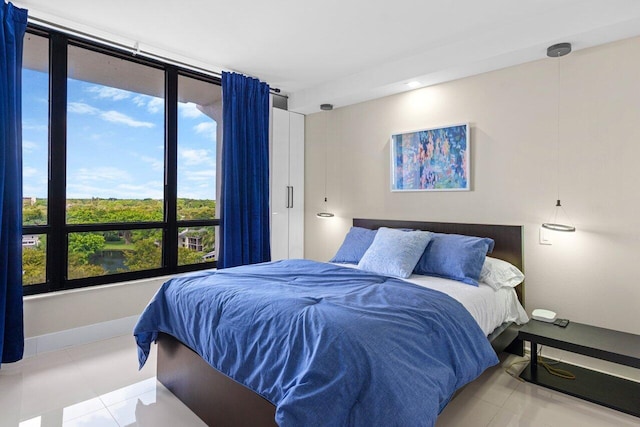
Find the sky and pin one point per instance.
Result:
(115, 143)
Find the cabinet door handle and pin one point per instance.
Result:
(288, 198)
(291, 187)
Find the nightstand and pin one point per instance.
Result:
(606, 344)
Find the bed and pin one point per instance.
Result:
(220, 400)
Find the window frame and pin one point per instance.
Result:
(56, 229)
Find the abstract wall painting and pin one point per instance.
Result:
(434, 159)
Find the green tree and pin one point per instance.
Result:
(153, 234)
(187, 256)
(84, 245)
(91, 211)
(79, 268)
(34, 215)
(196, 209)
(78, 213)
(111, 236)
(146, 254)
(33, 265)
(209, 239)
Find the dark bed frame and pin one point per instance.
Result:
(218, 400)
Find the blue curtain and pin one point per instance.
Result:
(244, 216)
(14, 24)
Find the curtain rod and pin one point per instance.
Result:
(135, 49)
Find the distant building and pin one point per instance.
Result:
(30, 240)
(29, 201)
(191, 239)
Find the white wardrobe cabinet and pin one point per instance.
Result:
(287, 185)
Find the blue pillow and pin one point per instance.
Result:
(355, 244)
(394, 252)
(454, 256)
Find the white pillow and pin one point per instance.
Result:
(394, 252)
(498, 273)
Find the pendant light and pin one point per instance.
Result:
(325, 213)
(559, 220)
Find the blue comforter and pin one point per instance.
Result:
(327, 345)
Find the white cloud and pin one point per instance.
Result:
(109, 116)
(192, 156)
(189, 110)
(109, 92)
(86, 191)
(197, 185)
(29, 172)
(208, 129)
(29, 146)
(100, 137)
(117, 117)
(202, 175)
(30, 190)
(139, 101)
(156, 164)
(151, 189)
(110, 181)
(81, 108)
(35, 182)
(153, 104)
(28, 125)
(105, 173)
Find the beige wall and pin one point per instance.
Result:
(588, 276)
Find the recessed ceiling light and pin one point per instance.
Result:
(413, 84)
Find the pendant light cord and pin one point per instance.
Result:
(326, 158)
(325, 213)
(558, 129)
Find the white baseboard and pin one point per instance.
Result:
(78, 336)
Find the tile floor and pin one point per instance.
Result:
(98, 385)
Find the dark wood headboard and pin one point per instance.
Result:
(508, 238)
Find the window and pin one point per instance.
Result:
(110, 252)
(119, 165)
(35, 137)
(115, 139)
(199, 111)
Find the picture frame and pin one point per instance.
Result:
(434, 159)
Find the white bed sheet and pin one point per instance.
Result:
(489, 307)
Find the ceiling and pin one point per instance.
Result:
(347, 51)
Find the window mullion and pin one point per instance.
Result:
(57, 242)
(170, 240)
